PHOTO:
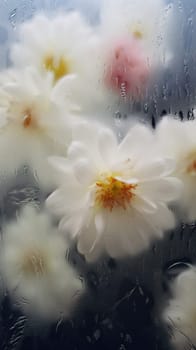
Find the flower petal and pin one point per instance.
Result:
(86, 240)
(164, 189)
(72, 225)
(107, 144)
(86, 133)
(143, 204)
(84, 171)
(100, 223)
(153, 169)
(60, 164)
(136, 139)
(77, 150)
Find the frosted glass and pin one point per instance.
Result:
(123, 300)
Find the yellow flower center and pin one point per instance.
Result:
(191, 169)
(190, 162)
(138, 34)
(28, 119)
(137, 30)
(34, 263)
(112, 193)
(59, 68)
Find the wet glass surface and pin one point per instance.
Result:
(124, 300)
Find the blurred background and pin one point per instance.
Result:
(124, 301)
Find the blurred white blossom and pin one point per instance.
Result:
(34, 268)
(180, 312)
(114, 197)
(177, 140)
(35, 120)
(63, 45)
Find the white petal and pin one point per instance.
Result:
(136, 241)
(132, 181)
(158, 167)
(143, 204)
(86, 240)
(72, 225)
(63, 92)
(114, 245)
(163, 220)
(96, 252)
(84, 171)
(77, 150)
(116, 239)
(86, 133)
(57, 202)
(137, 138)
(107, 144)
(64, 83)
(60, 163)
(70, 198)
(165, 189)
(100, 223)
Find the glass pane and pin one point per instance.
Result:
(97, 174)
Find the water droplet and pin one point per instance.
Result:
(118, 116)
(190, 21)
(177, 267)
(97, 334)
(93, 280)
(180, 7)
(146, 108)
(12, 18)
(190, 115)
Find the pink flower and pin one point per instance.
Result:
(127, 68)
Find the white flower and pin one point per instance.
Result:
(180, 313)
(114, 197)
(134, 40)
(62, 45)
(136, 18)
(35, 120)
(177, 140)
(34, 267)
